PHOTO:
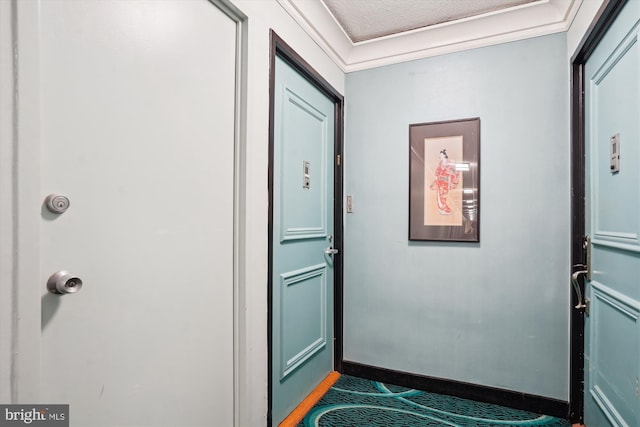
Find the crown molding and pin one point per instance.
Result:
(316, 20)
(525, 21)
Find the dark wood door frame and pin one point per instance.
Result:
(596, 31)
(279, 48)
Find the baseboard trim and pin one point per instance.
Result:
(480, 393)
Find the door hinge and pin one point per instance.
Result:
(338, 160)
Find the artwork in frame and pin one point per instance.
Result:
(444, 181)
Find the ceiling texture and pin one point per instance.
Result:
(360, 34)
(369, 19)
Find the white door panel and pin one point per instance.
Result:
(137, 130)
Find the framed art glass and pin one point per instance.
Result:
(444, 181)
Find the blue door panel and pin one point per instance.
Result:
(615, 88)
(615, 339)
(613, 266)
(612, 208)
(303, 203)
(304, 133)
(304, 302)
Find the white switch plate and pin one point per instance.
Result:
(349, 203)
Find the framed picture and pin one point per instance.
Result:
(444, 181)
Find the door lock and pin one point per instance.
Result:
(63, 282)
(56, 203)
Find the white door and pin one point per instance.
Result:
(137, 130)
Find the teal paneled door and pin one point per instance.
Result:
(612, 130)
(302, 264)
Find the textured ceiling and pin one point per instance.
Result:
(369, 19)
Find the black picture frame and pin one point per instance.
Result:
(444, 181)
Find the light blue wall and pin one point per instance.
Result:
(494, 313)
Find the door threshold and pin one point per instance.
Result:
(310, 401)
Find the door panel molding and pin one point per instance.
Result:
(620, 51)
(615, 342)
(616, 245)
(297, 222)
(314, 276)
(607, 407)
(621, 226)
(628, 306)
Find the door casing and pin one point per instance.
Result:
(281, 49)
(601, 23)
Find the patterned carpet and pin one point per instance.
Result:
(355, 402)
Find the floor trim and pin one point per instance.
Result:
(310, 401)
(508, 398)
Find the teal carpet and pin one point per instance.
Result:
(355, 402)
